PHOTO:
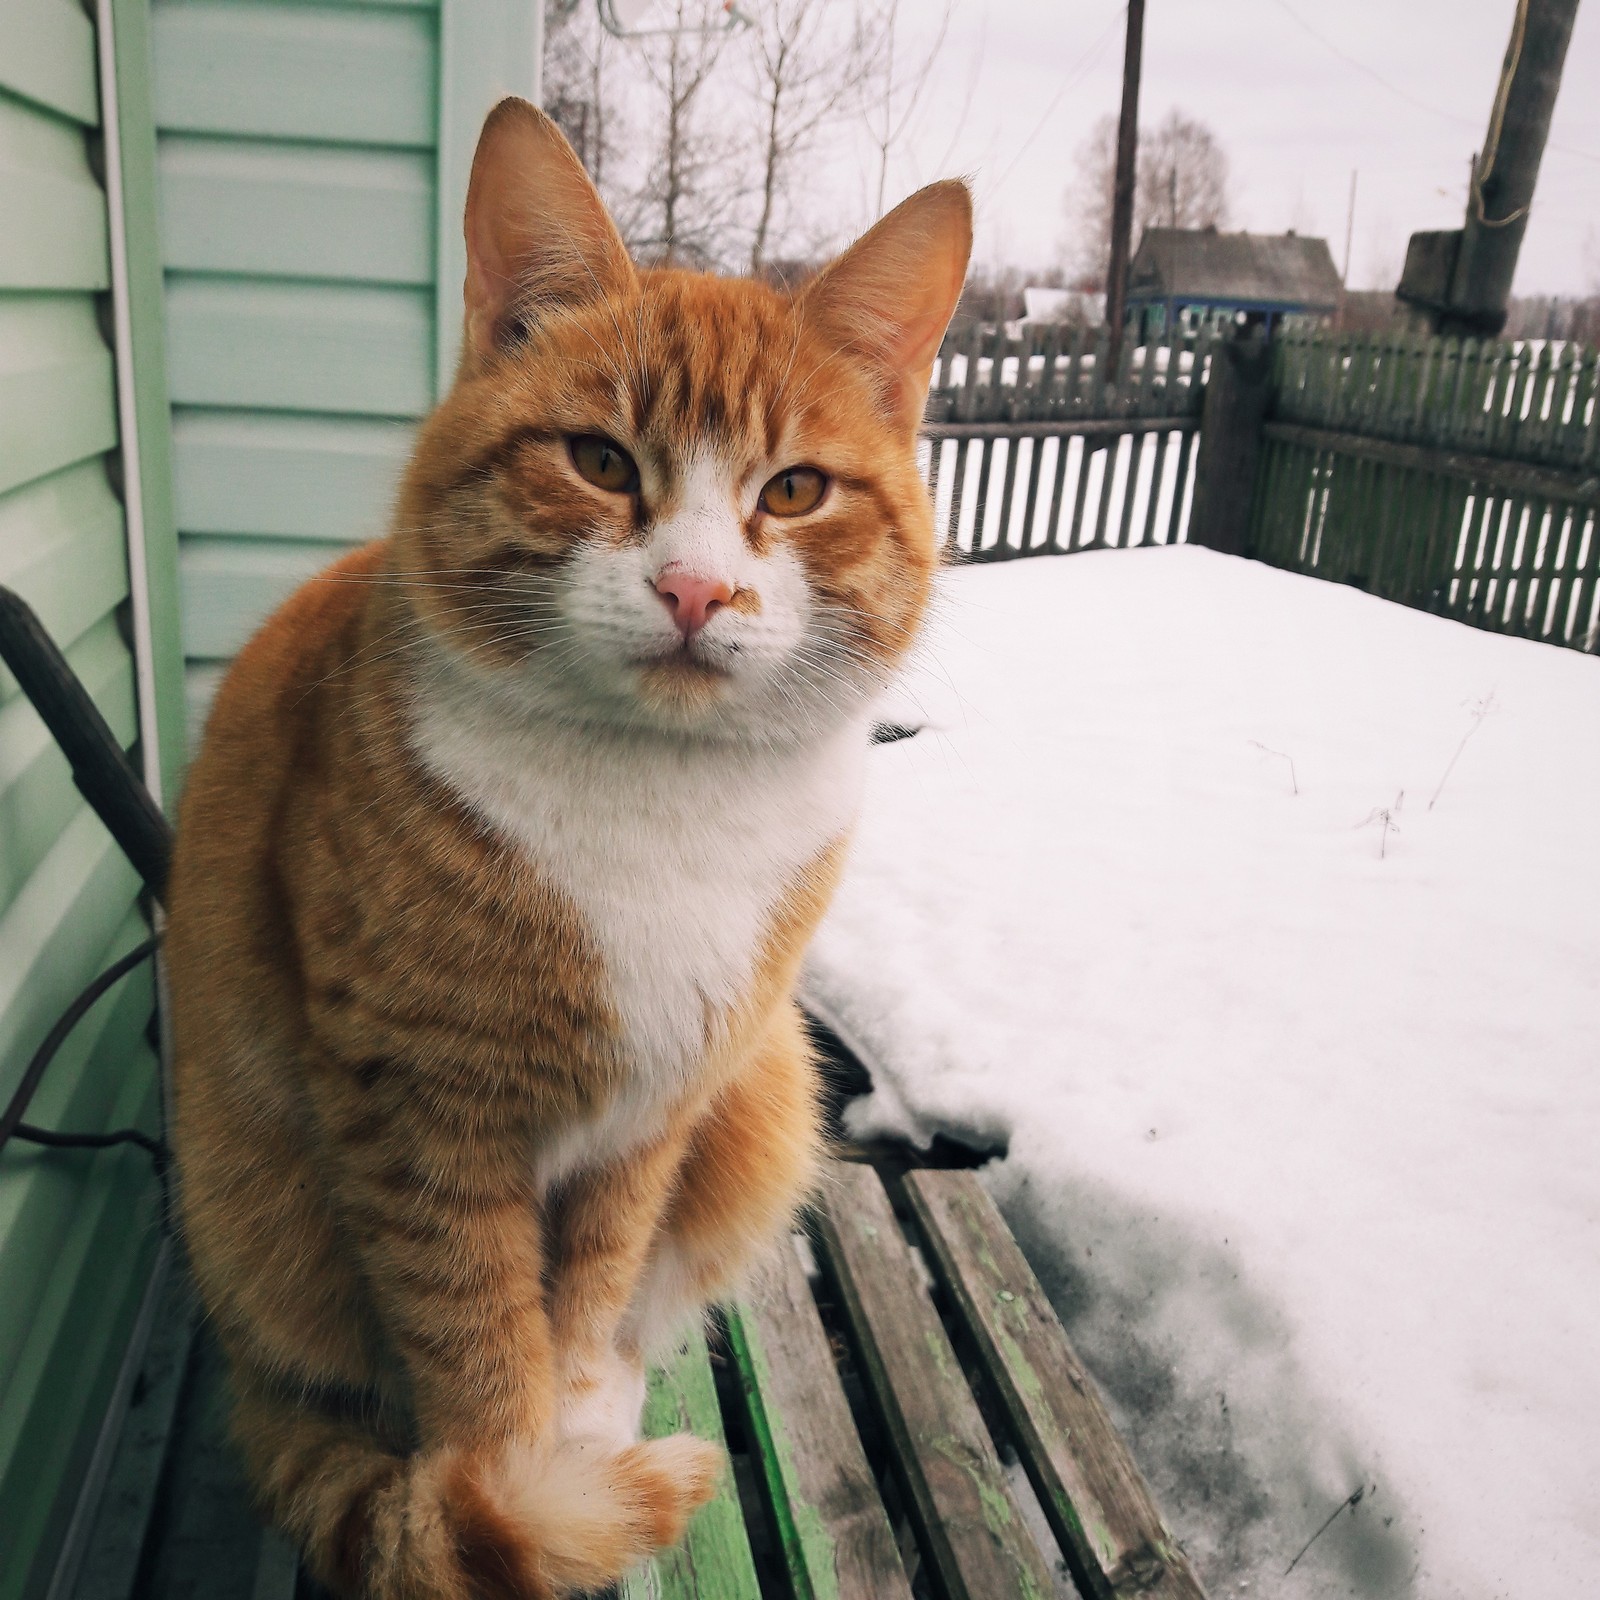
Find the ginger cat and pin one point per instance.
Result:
(495, 872)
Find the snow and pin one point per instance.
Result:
(1302, 1110)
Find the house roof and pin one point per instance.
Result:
(1258, 269)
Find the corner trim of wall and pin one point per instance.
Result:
(127, 118)
(487, 50)
(127, 407)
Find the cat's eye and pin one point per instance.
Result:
(604, 463)
(794, 491)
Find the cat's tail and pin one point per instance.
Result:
(529, 1523)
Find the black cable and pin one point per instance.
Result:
(11, 1122)
(100, 767)
(158, 1152)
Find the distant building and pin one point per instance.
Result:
(1043, 307)
(1188, 275)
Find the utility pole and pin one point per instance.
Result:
(1349, 227)
(1122, 194)
(1462, 278)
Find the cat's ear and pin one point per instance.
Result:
(538, 235)
(891, 295)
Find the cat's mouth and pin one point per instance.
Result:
(685, 660)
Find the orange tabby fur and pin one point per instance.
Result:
(437, 1210)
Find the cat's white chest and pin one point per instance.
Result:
(675, 858)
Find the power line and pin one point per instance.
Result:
(1402, 93)
(1079, 69)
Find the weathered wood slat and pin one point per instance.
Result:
(1130, 486)
(1091, 1491)
(1030, 505)
(958, 489)
(1052, 526)
(835, 1535)
(121, 1527)
(208, 1539)
(713, 1561)
(1159, 471)
(1494, 472)
(1188, 443)
(982, 514)
(1108, 483)
(1003, 544)
(968, 1524)
(1064, 427)
(277, 1574)
(1072, 539)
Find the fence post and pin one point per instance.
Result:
(1237, 392)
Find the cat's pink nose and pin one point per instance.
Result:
(691, 599)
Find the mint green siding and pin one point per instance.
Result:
(292, 176)
(296, 152)
(77, 1229)
(300, 148)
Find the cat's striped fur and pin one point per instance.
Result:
(495, 872)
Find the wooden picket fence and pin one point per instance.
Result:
(1036, 444)
(1459, 476)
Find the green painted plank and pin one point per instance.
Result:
(156, 566)
(300, 347)
(38, 798)
(57, 402)
(968, 1524)
(47, 56)
(67, 911)
(120, 1527)
(359, 76)
(836, 1539)
(208, 1537)
(61, 549)
(1093, 1496)
(712, 1562)
(297, 211)
(230, 587)
(290, 477)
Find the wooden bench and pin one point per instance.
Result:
(904, 1415)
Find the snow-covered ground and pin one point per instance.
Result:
(1301, 1090)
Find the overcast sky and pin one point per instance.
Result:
(1292, 89)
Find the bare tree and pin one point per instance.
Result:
(1182, 183)
(806, 74)
(685, 210)
(894, 84)
(577, 88)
